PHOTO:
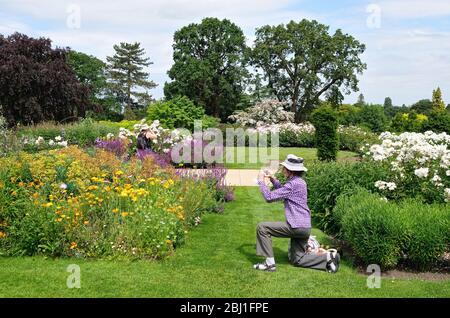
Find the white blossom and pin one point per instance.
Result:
(39, 140)
(421, 172)
(447, 194)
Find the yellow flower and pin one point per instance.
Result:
(35, 195)
(73, 245)
(125, 214)
(58, 220)
(92, 187)
(2, 234)
(21, 184)
(115, 210)
(14, 193)
(47, 205)
(168, 242)
(86, 222)
(118, 173)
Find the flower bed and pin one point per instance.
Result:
(67, 202)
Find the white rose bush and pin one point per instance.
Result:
(419, 165)
(266, 112)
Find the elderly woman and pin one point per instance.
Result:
(297, 226)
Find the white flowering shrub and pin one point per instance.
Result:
(266, 112)
(419, 165)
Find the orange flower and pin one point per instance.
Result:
(86, 222)
(73, 245)
(125, 214)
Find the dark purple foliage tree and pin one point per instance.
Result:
(36, 83)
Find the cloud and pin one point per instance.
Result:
(412, 9)
(404, 62)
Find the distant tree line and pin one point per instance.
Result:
(299, 63)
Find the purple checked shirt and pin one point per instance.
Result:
(295, 196)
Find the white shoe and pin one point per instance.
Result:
(265, 267)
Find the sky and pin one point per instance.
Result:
(407, 41)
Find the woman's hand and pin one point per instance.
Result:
(261, 176)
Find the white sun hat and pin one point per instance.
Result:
(294, 163)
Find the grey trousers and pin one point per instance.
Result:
(297, 248)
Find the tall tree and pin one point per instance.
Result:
(302, 62)
(209, 66)
(437, 102)
(92, 72)
(388, 107)
(127, 75)
(36, 83)
(361, 100)
(387, 103)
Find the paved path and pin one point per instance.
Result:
(241, 177)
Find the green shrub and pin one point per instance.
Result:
(372, 227)
(373, 117)
(289, 138)
(353, 138)
(327, 181)
(410, 122)
(390, 233)
(429, 228)
(179, 112)
(349, 115)
(439, 121)
(325, 121)
(85, 132)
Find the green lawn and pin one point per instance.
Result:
(309, 154)
(216, 262)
